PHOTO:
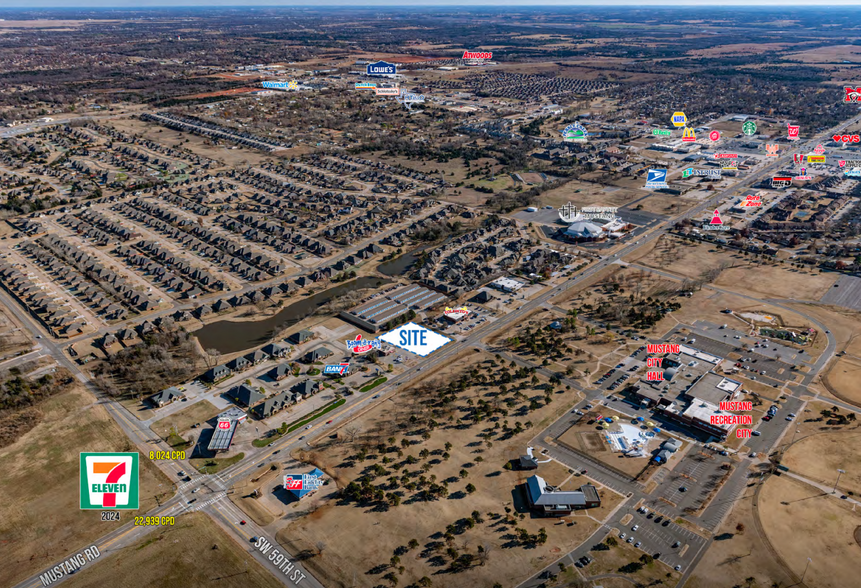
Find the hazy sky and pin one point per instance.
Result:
(463, 3)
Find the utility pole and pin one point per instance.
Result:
(839, 472)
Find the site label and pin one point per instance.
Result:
(415, 339)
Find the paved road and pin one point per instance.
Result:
(142, 437)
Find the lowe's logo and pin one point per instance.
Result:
(381, 68)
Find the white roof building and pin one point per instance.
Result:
(580, 228)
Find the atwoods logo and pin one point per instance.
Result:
(852, 94)
(359, 345)
(477, 55)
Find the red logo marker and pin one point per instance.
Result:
(716, 219)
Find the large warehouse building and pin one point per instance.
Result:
(374, 314)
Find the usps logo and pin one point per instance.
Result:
(656, 179)
(415, 339)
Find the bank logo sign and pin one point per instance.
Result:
(306, 482)
(337, 368)
(109, 481)
(415, 339)
(381, 68)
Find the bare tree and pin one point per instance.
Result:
(352, 432)
(319, 547)
(212, 356)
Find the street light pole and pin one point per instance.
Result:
(805, 570)
(838, 480)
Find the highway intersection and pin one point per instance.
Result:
(212, 490)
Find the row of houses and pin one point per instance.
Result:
(46, 251)
(263, 407)
(45, 305)
(243, 362)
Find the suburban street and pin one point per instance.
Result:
(655, 536)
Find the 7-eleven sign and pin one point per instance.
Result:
(109, 481)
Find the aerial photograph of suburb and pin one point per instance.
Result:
(431, 294)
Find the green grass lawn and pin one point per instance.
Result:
(207, 465)
(373, 384)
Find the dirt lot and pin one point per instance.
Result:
(388, 448)
(801, 523)
(13, 339)
(819, 456)
(738, 553)
(843, 378)
(40, 513)
(199, 412)
(747, 277)
(158, 562)
(588, 194)
(609, 562)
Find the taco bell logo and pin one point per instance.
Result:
(359, 345)
(381, 68)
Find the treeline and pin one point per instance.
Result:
(20, 399)
(164, 358)
(18, 392)
(505, 201)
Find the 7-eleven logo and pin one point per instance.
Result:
(109, 481)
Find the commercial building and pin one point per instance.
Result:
(376, 313)
(546, 500)
(245, 395)
(166, 396)
(225, 428)
(702, 401)
(301, 485)
(506, 284)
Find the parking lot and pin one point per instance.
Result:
(658, 537)
(696, 473)
(775, 371)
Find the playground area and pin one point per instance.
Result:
(615, 439)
